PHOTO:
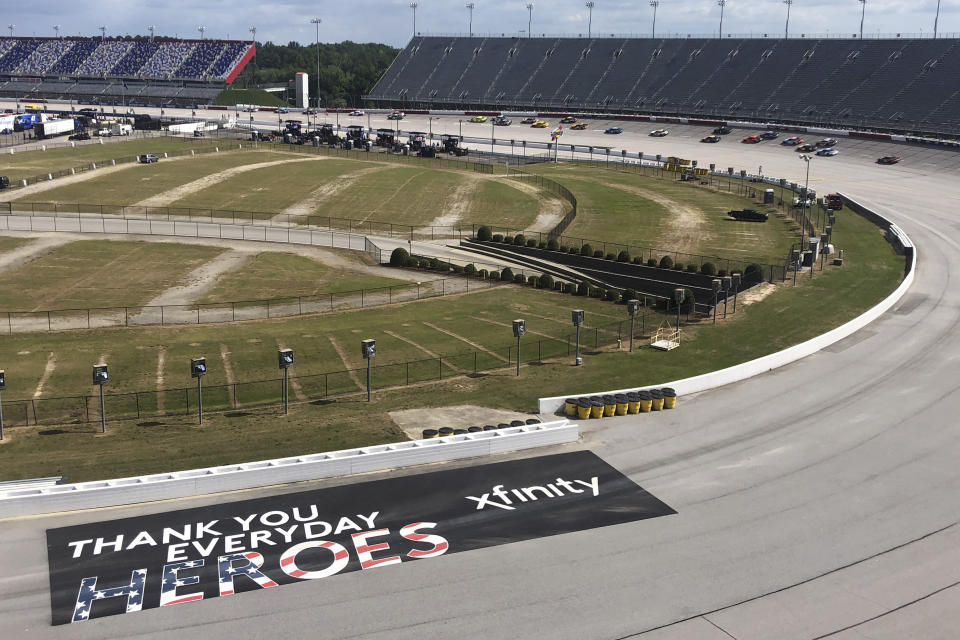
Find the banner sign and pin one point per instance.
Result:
(123, 566)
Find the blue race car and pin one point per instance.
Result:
(614, 130)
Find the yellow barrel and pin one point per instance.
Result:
(583, 408)
(657, 396)
(570, 406)
(429, 433)
(596, 407)
(669, 398)
(621, 404)
(645, 401)
(633, 402)
(609, 406)
(446, 431)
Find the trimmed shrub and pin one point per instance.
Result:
(708, 269)
(651, 262)
(424, 263)
(412, 262)
(586, 250)
(533, 281)
(531, 242)
(553, 245)
(692, 268)
(596, 292)
(564, 249)
(666, 262)
(623, 256)
(609, 256)
(753, 267)
(497, 237)
(507, 274)
(398, 257)
(722, 273)
(484, 234)
(678, 266)
(688, 302)
(470, 269)
(637, 260)
(482, 274)
(457, 269)
(583, 289)
(546, 281)
(518, 278)
(558, 286)
(570, 287)
(494, 275)
(598, 254)
(434, 263)
(541, 245)
(613, 295)
(519, 240)
(629, 294)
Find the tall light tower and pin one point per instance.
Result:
(654, 4)
(151, 30)
(253, 43)
(11, 26)
(529, 18)
(863, 13)
(56, 30)
(590, 6)
(103, 32)
(936, 20)
(413, 5)
(201, 29)
(722, 4)
(786, 30)
(317, 21)
(471, 6)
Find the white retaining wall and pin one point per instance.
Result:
(180, 484)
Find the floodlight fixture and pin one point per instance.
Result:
(11, 26)
(198, 369)
(151, 29)
(100, 377)
(201, 29)
(470, 6)
(722, 4)
(653, 30)
(529, 18)
(368, 350)
(786, 30)
(413, 5)
(285, 361)
(56, 30)
(590, 6)
(103, 32)
(317, 21)
(863, 13)
(519, 328)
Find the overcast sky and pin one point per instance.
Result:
(391, 21)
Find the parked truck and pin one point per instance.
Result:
(121, 129)
(833, 201)
(51, 128)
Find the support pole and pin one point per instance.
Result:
(103, 415)
(633, 319)
(199, 399)
(286, 391)
(577, 360)
(1, 415)
(518, 356)
(368, 379)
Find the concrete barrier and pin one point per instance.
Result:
(195, 482)
(772, 361)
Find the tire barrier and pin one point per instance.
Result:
(430, 433)
(618, 404)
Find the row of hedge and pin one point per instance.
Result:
(400, 257)
(484, 234)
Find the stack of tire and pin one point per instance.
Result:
(621, 404)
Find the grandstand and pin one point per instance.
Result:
(114, 70)
(890, 84)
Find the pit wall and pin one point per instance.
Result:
(900, 242)
(195, 482)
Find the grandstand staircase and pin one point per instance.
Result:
(710, 76)
(752, 71)
(603, 76)
(930, 67)
(693, 55)
(653, 56)
(787, 79)
(805, 98)
(584, 55)
(466, 70)
(430, 75)
(507, 64)
(893, 57)
(413, 54)
(538, 69)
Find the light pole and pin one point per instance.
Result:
(722, 3)
(519, 328)
(577, 321)
(715, 285)
(470, 6)
(413, 5)
(103, 33)
(285, 360)
(11, 26)
(590, 6)
(3, 385)
(151, 29)
(100, 377)
(368, 349)
(529, 19)
(633, 306)
(654, 4)
(936, 19)
(317, 21)
(863, 13)
(786, 31)
(198, 369)
(56, 30)
(736, 289)
(803, 205)
(253, 43)
(201, 29)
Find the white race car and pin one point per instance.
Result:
(659, 133)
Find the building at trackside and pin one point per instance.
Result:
(892, 84)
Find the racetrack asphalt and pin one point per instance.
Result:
(817, 500)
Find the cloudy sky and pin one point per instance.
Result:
(391, 21)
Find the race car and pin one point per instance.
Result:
(826, 142)
(806, 148)
(722, 130)
(502, 121)
(395, 115)
(828, 151)
(568, 120)
(529, 120)
(478, 119)
(792, 141)
(356, 112)
(540, 124)
(283, 110)
(751, 139)
(659, 133)
(713, 138)
(888, 160)
(769, 135)
(580, 126)
(614, 130)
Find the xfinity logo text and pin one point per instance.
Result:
(504, 498)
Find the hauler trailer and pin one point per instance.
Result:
(52, 128)
(451, 145)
